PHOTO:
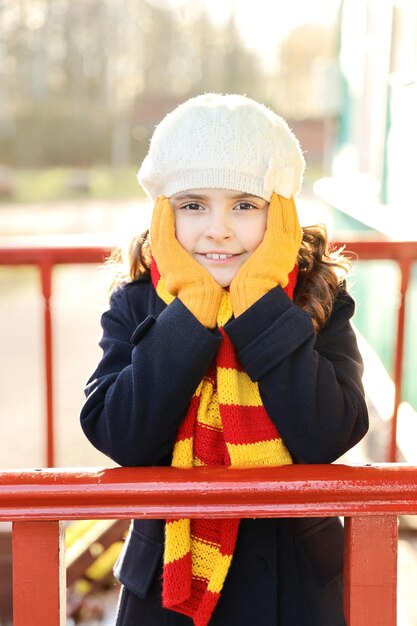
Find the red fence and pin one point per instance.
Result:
(370, 499)
(47, 252)
(404, 253)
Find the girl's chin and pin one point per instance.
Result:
(223, 278)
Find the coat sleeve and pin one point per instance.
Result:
(150, 368)
(310, 383)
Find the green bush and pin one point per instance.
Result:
(52, 184)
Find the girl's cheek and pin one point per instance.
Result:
(180, 229)
(259, 230)
(257, 240)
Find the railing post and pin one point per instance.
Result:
(38, 574)
(46, 282)
(405, 268)
(370, 570)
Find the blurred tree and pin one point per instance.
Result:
(86, 82)
(308, 80)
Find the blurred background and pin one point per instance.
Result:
(83, 84)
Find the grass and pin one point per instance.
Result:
(59, 183)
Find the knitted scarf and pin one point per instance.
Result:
(226, 424)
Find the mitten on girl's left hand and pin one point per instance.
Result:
(184, 277)
(273, 259)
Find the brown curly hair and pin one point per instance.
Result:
(321, 270)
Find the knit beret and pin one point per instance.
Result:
(216, 141)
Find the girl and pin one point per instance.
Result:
(229, 344)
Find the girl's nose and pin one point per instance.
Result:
(219, 226)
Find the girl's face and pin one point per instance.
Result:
(219, 228)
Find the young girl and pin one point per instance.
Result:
(229, 344)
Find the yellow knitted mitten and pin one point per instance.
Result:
(184, 277)
(274, 258)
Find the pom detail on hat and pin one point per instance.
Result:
(224, 142)
(279, 180)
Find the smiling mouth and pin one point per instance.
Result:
(217, 256)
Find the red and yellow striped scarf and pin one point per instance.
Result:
(226, 424)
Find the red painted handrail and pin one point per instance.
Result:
(46, 252)
(369, 497)
(158, 492)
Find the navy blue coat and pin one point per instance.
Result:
(284, 572)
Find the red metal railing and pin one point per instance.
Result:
(370, 499)
(404, 253)
(47, 252)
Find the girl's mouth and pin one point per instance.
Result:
(219, 258)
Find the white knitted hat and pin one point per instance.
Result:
(218, 141)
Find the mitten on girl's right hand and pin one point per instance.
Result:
(184, 277)
(272, 260)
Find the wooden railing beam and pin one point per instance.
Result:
(160, 492)
(370, 570)
(369, 497)
(38, 574)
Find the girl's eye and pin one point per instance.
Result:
(192, 206)
(245, 206)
